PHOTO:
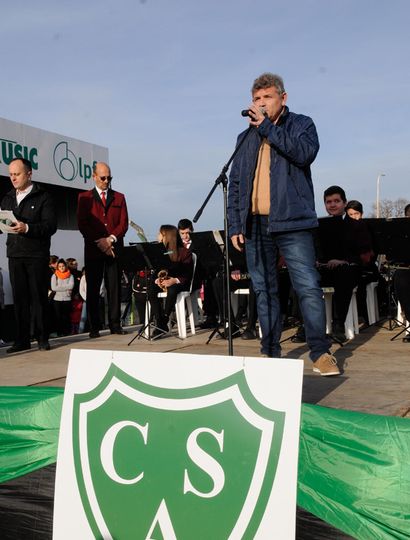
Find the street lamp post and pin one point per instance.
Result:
(378, 195)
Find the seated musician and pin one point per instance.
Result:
(185, 229)
(344, 249)
(370, 272)
(354, 209)
(202, 277)
(239, 279)
(401, 283)
(178, 278)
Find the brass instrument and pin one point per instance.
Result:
(162, 275)
(240, 276)
(140, 231)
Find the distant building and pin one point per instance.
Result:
(63, 166)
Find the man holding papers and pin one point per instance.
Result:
(28, 251)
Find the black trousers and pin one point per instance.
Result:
(96, 270)
(62, 311)
(29, 277)
(210, 305)
(158, 312)
(247, 303)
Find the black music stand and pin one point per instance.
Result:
(236, 261)
(237, 258)
(131, 262)
(392, 238)
(210, 260)
(398, 255)
(152, 256)
(205, 246)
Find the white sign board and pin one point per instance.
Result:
(178, 446)
(56, 159)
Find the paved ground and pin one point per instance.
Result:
(375, 378)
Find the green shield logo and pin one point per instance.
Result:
(174, 464)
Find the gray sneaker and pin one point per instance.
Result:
(326, 365)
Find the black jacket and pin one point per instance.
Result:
(38, 211)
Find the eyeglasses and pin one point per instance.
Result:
(103, 178)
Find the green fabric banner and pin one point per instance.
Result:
(354, 468)
(29, 426)
(354, 472)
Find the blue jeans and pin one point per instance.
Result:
(298, 250)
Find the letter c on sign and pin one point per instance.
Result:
(107, 450)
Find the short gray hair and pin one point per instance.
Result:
(267, 80)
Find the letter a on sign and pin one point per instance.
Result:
(163, 521)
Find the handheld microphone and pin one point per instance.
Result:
(247, 112)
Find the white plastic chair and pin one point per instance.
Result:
(234, 300)
(372, 303)
(352, 318)
(185, 298)
(328, 296)
(197, 307)
(401, 318)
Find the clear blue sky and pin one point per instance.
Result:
(161, 83)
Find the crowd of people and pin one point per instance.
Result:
(344, 259)
(40, 298)
(288, 255)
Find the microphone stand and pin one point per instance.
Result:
(223, 180)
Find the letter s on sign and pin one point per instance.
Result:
(205, 462)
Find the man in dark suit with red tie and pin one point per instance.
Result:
(103, 221)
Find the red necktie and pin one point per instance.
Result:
(104, 200)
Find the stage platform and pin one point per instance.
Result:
(374, 380)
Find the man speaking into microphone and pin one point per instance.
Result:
(271, 209)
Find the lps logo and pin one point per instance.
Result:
(68, 166)
(157, 463)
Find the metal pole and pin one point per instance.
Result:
(378, 195)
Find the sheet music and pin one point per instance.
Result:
(7, 218)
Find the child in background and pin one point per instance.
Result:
(75, 314)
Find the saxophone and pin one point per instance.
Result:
(162, 275)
